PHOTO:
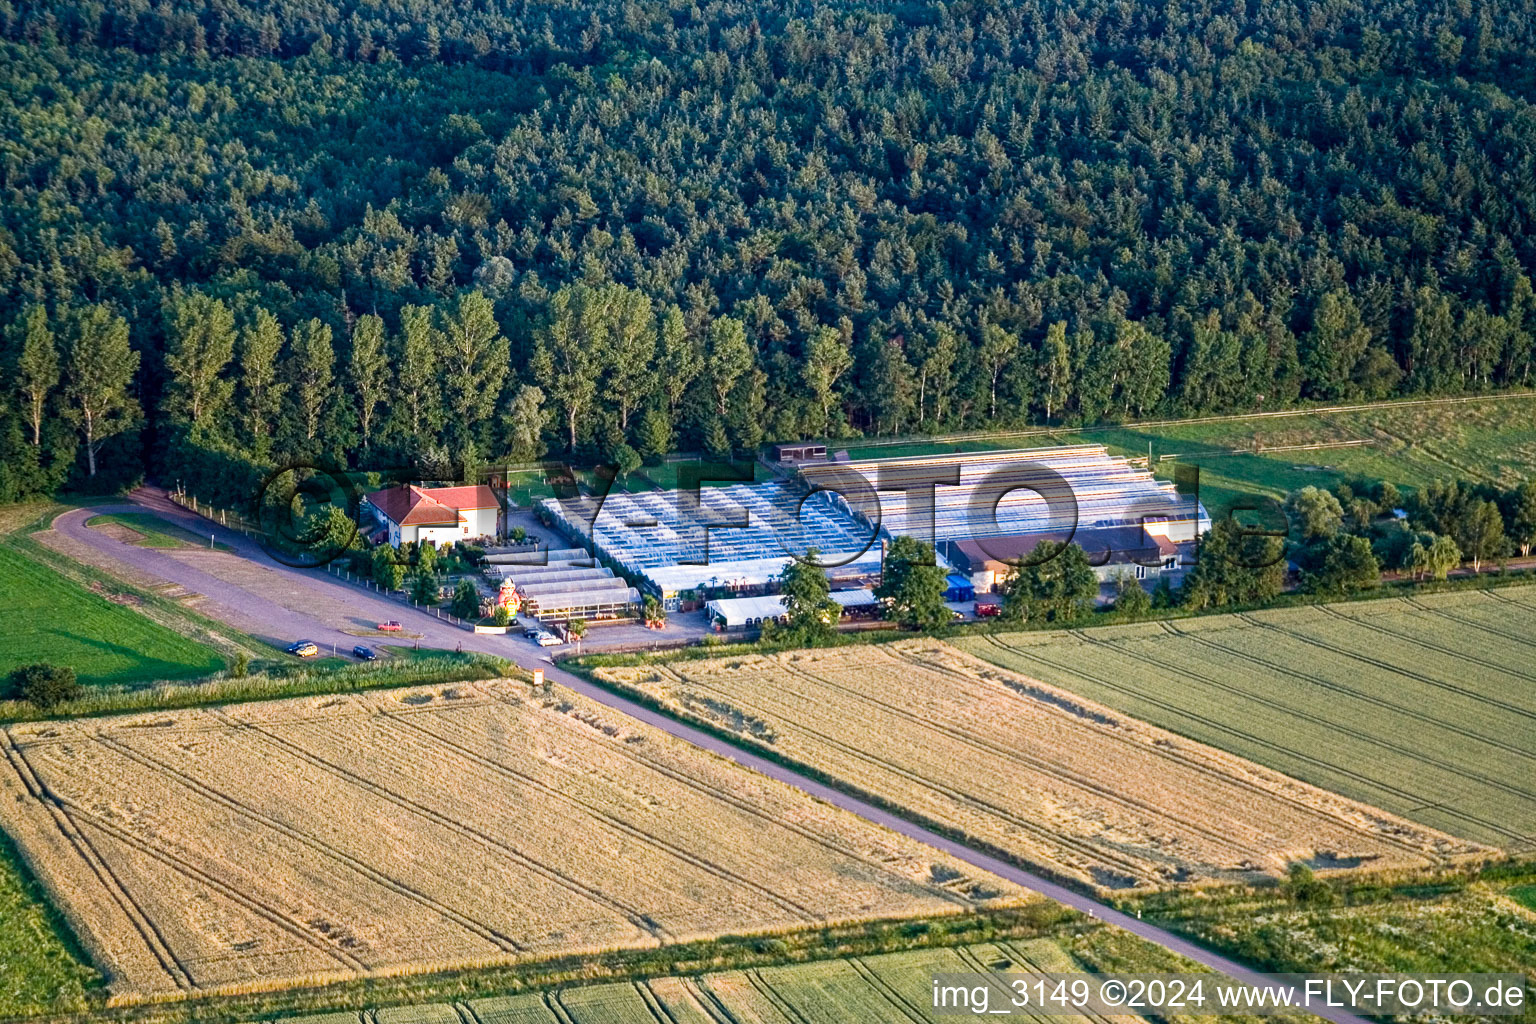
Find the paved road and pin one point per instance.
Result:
(436, 633)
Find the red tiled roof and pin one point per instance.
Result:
(470, 496)
(410, 505)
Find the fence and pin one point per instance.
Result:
(234, 520)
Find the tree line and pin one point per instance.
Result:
(237, 235)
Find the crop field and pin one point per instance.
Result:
(1424, 706)
(1027, 769)
(262, 845)
(887, 987)
(50, 618)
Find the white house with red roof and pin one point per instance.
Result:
(441, 515)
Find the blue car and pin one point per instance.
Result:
(363, 653)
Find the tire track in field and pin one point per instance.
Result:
(711, 1001)
(557, 1008)
(1364, 697)
(1096, 854)
(1497, 595)
(1419, 641)
(872, 979)
(1345, 652)
(503, 942)
(1034, 966)
(1221, 840)
(719, 871)
(1307, 716)
(1029, 828)
(1380, 702)
(725, 796)
(158, 947)
(785, 1008)
(657, 1008)
(968, 956)
(1349, 773)
(1484, 627)
(191, 871)
(1294, 802)
(633, 915)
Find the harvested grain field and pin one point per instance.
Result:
(326, 837)
(1032, 771)
(1425, 706)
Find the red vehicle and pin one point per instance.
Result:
(986, 611)
(389, 627)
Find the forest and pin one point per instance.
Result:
(236, 235)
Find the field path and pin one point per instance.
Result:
(324, 599)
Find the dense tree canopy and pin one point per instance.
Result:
(510, 225)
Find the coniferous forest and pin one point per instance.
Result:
(237, 234)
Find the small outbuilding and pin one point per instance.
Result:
(800, 451)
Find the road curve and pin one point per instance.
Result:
(437, 633)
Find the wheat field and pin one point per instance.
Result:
(263, 845)
(1037, 773)
(1424, 706)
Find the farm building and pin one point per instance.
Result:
(800, 451)
(1140, 550)
(557, 586)
(747, 612)
(440, 515)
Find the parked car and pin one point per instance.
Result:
(389, 627)
(532, 632)
(986, 611)
(304, 648)
(364, 653)
(547, 639)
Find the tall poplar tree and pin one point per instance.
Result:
(98, 373)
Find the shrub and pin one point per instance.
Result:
(1305, 888)
(503, 615)
(241, 666)
(466, 600)
(45, 686)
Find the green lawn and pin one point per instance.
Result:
(41, 970)
(1424, 706)
(153, 531)
(1525, 895)
(50, 618)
